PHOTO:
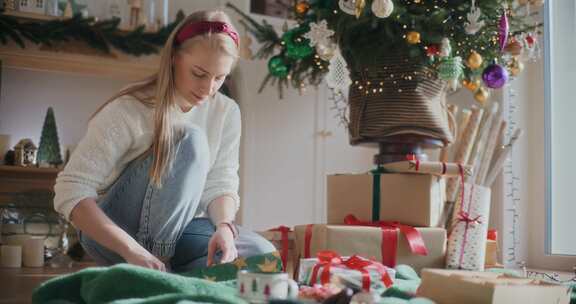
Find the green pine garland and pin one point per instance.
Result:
(362, 40)
(100, 35)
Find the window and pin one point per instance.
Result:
(560, 77)
(23, 3)
(39, 3)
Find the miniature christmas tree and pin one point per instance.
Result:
(49, 150)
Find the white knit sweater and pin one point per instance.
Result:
(123, 130)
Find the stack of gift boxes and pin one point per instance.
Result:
(392, 215)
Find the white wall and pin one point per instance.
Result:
(26, 95)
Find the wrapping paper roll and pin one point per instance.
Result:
(467, 239)
(11, 256)
(427, 167)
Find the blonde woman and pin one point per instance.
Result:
(154, 181)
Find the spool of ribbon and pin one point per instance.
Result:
(284, 244)
(328, 259)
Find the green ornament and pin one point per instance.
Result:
(297, 47)
(277, 66)
(450, 68)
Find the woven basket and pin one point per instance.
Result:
(397, 96)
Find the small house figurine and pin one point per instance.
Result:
(25, 153)
(9, 5)
(32, 6)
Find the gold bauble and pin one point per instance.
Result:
(474, 60)
(516, 67)
(481, 95)
(471, 85)
(413, 37)
(302, 7)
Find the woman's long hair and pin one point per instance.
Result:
(159, 90)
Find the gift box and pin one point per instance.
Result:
(412, 199)
(467, 240)
(269, 262)
(368, 242)
(329, 267)
(283, 239)
(470, 287)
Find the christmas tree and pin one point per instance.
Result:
(49, 150)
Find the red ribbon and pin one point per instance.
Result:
(412, 157)
(284, 250)
(389, 244)
(308, 240)
(328, 259)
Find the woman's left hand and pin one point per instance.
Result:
(223, 240)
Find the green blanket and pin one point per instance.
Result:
(128, 284)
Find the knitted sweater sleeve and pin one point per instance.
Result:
(107, 139)
(223, 176)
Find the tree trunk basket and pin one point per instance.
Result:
(398, 97)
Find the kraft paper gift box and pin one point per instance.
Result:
(471, 287)
(310, 271)
(367, 242)
(467, 240)
(412, 199)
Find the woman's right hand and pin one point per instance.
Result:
(141, 257)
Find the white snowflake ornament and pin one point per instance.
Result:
(319, 33)
(348, 6)
(382, 8)
(338, 76)
(473, 24)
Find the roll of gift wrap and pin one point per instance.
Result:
(467, 239)
(11, 256)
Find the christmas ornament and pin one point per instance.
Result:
(413, 37)
(360, 4)
(471, 85)
(481, 95)
(473, 24)
(432, 50)
(319, 33)
(529, 40)
(338, 77)
(326, 52)
(516, 67)
(302, 7)
(296, 46)
(445, 48)
(348, 6)
(382, 8)
(495, 76)
(474, 61)
(514, 47)
(451, 69)
(503, 29)
(278, 67)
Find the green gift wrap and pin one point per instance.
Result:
(270, 262)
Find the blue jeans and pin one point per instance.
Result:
(162, 219)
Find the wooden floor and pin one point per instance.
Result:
(17, 284)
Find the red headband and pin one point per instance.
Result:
(197, 28)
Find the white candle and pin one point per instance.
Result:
(33, 252)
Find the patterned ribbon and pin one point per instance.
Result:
(328, 259)
(284, 239)
(389, 243)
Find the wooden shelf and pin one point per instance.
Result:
(27, 170)
(14, 180)
(77, 58)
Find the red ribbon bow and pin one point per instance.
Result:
(284, 250)
(465, 217)
(328, 259)
(389, 243)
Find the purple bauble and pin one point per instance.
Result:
(495, 76)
